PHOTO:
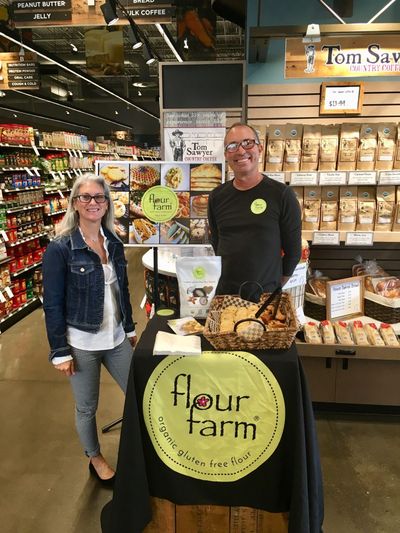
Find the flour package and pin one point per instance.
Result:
(197, 279)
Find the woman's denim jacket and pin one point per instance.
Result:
(73, 288)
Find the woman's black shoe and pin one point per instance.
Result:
(105, 482)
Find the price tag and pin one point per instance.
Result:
(362, 178)
(4, 235)
(389, 177)
(303, 178)
(36, 171)
(53, 174)
(74, 152)
(299, 277)
(2, 299)
(69, 174)
(80, 172)
(80, 154)
(277, 176)
(9, 292)
(29, 171)
(359, 238)
(60, 193)
(69, 152)
(60, 174)
(332, 178)
(75, 172)
(330, 238)
(35, 149)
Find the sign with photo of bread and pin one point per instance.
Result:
(181, 189)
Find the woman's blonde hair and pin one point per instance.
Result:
(70, 222)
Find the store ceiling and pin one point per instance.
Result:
(230, 45)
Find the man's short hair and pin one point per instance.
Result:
(237, 124)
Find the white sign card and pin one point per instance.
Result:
(303, 178)
(330, 238)
(359, 238)
(362, 178)
(389, 177)
(345, 297)
(332, 178)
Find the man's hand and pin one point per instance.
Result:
(68, 368)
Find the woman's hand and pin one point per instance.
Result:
(133, 340)
(68, 368)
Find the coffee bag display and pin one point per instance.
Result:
(275, 148)
(292, 156)
(329, 147)
(367, 148)
(347, 208)
(386, 146)
(349, 138)
(310, 147)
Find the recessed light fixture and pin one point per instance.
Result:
(109, 10)
(185, 44)
(2, 93)
(15, 115)
(139, 93)
(70, 93)
(116, 112)
(67, 113)
(73, 48)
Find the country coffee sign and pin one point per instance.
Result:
(19, 72)
(79, 13)
(376, 55)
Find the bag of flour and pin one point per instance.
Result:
(197, 280)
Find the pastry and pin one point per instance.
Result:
(342, 333)
(388, 335)
(373, 334)
(328, 334)
(113, 174)
(144, 176)
(311, 333)
(359, 333)
(174, 177)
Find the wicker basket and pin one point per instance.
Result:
(378, 310)
(315, 307)
(273, 339)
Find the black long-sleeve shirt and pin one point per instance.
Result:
(250, 230)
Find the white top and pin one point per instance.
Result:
(111, 332)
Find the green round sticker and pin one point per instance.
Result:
(160, 204)
(165, 312)
(199, 272)
(258, 206)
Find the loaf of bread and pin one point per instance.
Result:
(311, 333)
(343, 333)
(359, 333)
(373, 334)
(328, 334)
(388, 335)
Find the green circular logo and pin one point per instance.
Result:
(160, 204)
(213, 424)
(258, 206)
(165, 312)
(199, 272)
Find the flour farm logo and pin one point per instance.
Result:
(210, 424)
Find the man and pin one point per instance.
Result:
(178, 145)
(255, 221)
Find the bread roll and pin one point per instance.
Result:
(388, 335)
(373, 334)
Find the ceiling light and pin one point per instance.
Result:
(109, 10)
(148, 56)
(67, 112)
(74, 109)
(2, 93)
(168, 39)
(134, 38)
(139, 93)
(70, 93)
(36, 115)
(11, 36)
(185, 44)
(116, 112)
(73, 48)
(58, 91)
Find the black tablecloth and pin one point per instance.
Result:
(290, 480)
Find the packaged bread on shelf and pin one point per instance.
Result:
(343, 334)
(373, 334)
(359, 334)
(388, 335)
(311, 333)
(396, 162)
(327, 331)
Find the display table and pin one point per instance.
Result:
(288, 481)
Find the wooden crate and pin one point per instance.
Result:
(170, 518)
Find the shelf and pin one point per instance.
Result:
(379, 236)
(26, 269)
(27, 239)
(22, 189)
(56, 191)
(5, 260)
(55, 213)
(61, 149)
(24, 208)
(341, 351)
(19, 313)
(19, 169)
(23, 224)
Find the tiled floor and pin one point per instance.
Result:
(44, 482)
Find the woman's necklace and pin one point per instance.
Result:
(93, 239)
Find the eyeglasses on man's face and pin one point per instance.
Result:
(247, 144)
(87, 198)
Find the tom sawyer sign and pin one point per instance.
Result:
(375, 55)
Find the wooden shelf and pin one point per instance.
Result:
(379, 236)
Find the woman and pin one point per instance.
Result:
(87, 308)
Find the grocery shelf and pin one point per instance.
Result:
(55, 213)
(26, 269)
(24, 208)
(26, 239)
(5, 260)
(19, 313)
(379, 236)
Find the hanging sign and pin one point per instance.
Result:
(376, 55)
(19, 71)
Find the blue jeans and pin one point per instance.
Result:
(86, 383)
